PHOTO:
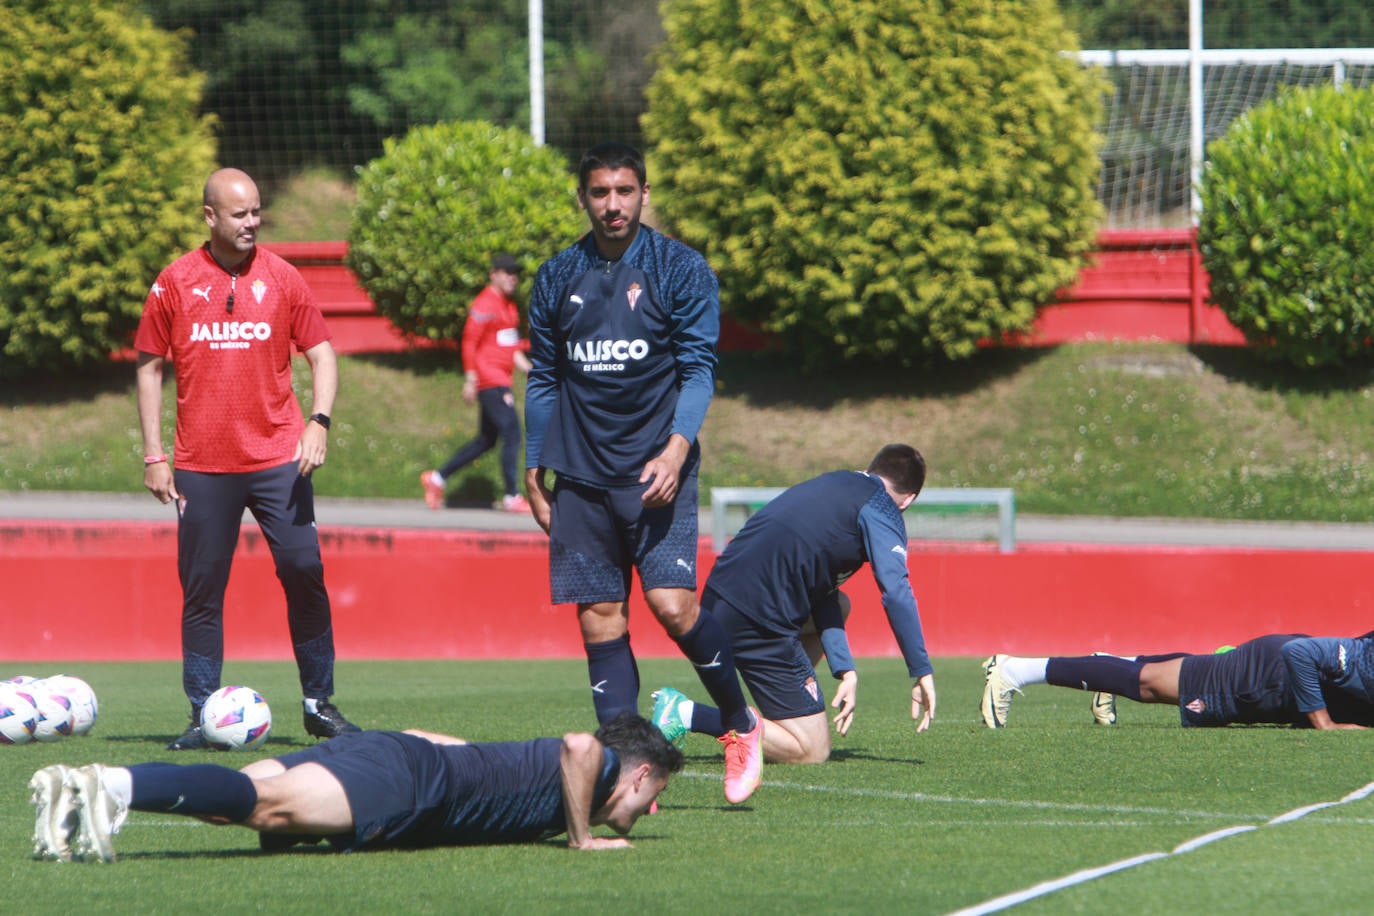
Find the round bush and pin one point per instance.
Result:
(1287, 215)
(436, 206)
(105, 157)
(878, 179)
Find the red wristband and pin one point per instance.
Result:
(154, 459)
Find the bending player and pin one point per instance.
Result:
(1281, 679)
(377, 789)
(782, 573)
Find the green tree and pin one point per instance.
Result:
(1287, 212)
(439, 203)
(105, 155)
(876, 179)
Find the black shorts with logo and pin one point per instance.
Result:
(1246, 686)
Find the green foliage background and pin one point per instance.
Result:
(877, 180)
(1288, 212)
(105, 155)
(439, 203)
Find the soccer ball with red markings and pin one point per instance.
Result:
(18, 714)
(235, 718)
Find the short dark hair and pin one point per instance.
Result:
(902, 466)
(611, 156)
(636, 740)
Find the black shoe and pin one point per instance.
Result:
(327, 722)
(193, 739)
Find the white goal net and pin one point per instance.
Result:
(1146, 163)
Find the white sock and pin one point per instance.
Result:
(684, 712)
(436, 478)
(312, 705)
(119, 782)
(1022, 671)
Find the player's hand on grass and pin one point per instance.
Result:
(923, 701)
(846, 698)
(602, 842)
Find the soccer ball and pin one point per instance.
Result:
(84, 705)
(55, 719)
(235, 718)
(18, 715)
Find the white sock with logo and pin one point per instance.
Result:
(1022, 671)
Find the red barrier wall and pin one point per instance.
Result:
(1141, 285)
(99, 590)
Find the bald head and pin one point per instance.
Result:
(225, 181)
(233, 211)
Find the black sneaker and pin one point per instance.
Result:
(193, 739)
(327, 722)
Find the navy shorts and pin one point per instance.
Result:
(774, 666)
(597, 536)
(394, 783)
(1246, 686)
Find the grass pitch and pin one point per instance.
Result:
(894, 823)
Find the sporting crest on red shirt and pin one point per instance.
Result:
(633, 294)
(259, 290)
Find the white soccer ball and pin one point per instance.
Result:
(85, 707)
(235, 718)
(55, 719)
(18, 715)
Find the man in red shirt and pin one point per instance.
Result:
(227, 315)
(492, 350)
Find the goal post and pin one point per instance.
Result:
(939, 513)
(1165, 105)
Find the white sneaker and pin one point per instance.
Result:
(1104, 708)
(100, 814)
(55, 816)
(996, 692)
(1104, 704)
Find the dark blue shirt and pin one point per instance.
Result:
(1319, 666)
(507, 792)
(623, 355)
(792, 554)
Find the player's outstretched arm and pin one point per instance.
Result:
(1321, 720)
(580, 762)
(923, 701)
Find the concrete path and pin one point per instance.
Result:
(413, 513)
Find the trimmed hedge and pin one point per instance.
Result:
(884, 180)
(105, 156)
(1287, 218)
(436, 206)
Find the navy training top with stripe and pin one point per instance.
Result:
(623, 354)
(795, 551)
(507, 792)
(1332, 673)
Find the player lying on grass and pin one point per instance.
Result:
(1282, 679)
(377, 789)
(781, 574)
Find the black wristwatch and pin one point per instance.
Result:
(321, 418)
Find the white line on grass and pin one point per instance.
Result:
(990, 802)
(1048, 887)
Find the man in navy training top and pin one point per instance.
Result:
(1282, 679)
(377, 789)
(781, 573)
(623, 328)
